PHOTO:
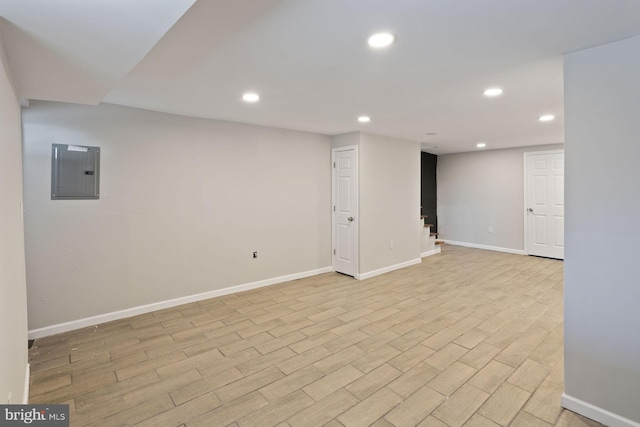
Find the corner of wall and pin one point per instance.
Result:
(13, 305)
(5, 63)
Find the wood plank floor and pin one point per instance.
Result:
(468, 337)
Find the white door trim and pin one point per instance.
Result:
(333, 203)
(526, 189)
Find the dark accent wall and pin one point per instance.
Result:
(429, 192)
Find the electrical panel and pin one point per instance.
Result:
(75, 172)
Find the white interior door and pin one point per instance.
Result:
(345, 210)
(544, 204)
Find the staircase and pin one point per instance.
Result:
(428, 243)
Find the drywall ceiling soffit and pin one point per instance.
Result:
(309, 61)
(77, 50)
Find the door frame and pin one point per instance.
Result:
(525, 155)
(333, 203)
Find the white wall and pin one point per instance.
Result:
(13, 303)
(602, 283)
(481, 189)
(389, 201)
(345, 139)
(184, 203)
(389, 182)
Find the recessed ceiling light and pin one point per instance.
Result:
(364, 119)
(251, 97)
(492, 92)
(481, 145)
(379, 40)
(546, 117)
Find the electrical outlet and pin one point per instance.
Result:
(490, 229)
(255, 254)
(390, 244)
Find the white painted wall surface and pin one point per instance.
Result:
(389, 202)
(482, 189)
(345, 139)
(13, 301)
(602, 284)
(183, 204)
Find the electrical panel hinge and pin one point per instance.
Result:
(334, 165)
(334, 251)
(334, 208)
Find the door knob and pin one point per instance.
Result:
(530, 210)
(350, 219)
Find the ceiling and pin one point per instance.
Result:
(310, 62)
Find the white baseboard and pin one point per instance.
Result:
(437, 250)
(134, 311)
(388, 269)
(25, 394)
(486, 247)
(595, 413)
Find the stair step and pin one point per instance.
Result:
(424, 216)
(439, 242)
(433, 234)
(428, 225)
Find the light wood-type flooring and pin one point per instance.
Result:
(468, 337)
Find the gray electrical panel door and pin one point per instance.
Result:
(75, 172)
